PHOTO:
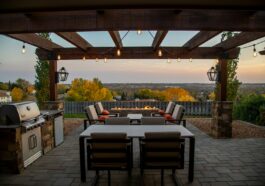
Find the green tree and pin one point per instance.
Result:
(42, 81)
(23, 84)
(3, 86)
(232, 82)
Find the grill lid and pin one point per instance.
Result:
(16, 113)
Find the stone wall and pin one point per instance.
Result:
(221, 126)
(47, 135)
(11, 160)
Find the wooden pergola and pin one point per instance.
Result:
(23, 21)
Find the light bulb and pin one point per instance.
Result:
(139, 32)
(160, 53)
(216, 61)
(105, 60)
(190, 60)
(118, 52)
(254, 51)
(58, 57)
(168, 60)
(96, 59)
(23, 49)
(178, 60)
(84, 58)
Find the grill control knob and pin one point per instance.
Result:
(28, 108)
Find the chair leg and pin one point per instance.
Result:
(109, 178)
(162, 177)
(95, 181)
(174, 177)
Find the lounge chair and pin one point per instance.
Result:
(92, 116)
(169, 110)
(101, 111)
(177, 116)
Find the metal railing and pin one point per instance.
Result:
(191, 108)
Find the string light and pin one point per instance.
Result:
(58, 57)
(96, 59)
(168, 60)
(190, 60)
(23, 49)
(139, 32)
(178, 60)
(118, 52)
(160, 53)
(254, 51)
(84, 58)
(105, 60)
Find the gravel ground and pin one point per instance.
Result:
(240, 129)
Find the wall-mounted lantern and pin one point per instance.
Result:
(61, 75)
(214, 74)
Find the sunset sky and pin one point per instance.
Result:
(14, 64)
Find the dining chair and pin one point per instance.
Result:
(162, 150)
(109, 151)
(117, 121)
(153, 121)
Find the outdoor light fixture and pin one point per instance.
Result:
(139, 32)
(105, 60)
(168, 60)
(178, 60)
(254, 51)
(213, 74)
(23, 49)
(96, 59)
(58, 57)
(118, 52)
(160, 53)
(84, 58)
(190, 60)
(61, 75)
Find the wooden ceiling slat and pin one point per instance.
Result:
(159, 37)
(35, 40)
(115, 35)
(75, 39)
(138, 53)
(206, 20)
(200, 38)
(240, 39)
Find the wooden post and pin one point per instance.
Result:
(222, 94)
(53, 78)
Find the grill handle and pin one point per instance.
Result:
(32, 141)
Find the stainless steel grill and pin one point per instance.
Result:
(27, 116)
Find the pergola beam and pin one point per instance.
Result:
(159, 37)
(262, 52)
(240, 39)
(75, 39)
(200, 38)
(36, 41)
(91, 20)
(139, 53)
(115, 35)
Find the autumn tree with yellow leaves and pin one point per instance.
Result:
(17, 94)
(177, 94)
(86, 90)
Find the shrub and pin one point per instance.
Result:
(249, 108)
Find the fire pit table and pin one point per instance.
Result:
(125, 111)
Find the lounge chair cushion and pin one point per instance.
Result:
(102, 118)
(168, 117)
(161, 112)
(105, 112)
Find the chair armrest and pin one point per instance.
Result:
(85, 124)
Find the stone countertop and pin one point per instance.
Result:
(9, 126)
(51, 113)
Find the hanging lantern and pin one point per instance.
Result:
(62, 75)
(212, 74)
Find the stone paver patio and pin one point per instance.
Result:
(217, 162)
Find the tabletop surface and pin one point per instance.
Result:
(136, 130)
(134, 116)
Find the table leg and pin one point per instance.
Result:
(191, 159)
(82, 159)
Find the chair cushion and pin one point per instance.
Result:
(168, 117)
(102, 118)
(105, 112)
(161, 112)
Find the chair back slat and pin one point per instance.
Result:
(99, 107)
(170, 107)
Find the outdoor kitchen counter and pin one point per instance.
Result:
(9, 126)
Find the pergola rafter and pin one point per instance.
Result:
(75, 39)
(200, 38)
(159, 37)
(115, 35)
(35, 40)
(240, 39)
